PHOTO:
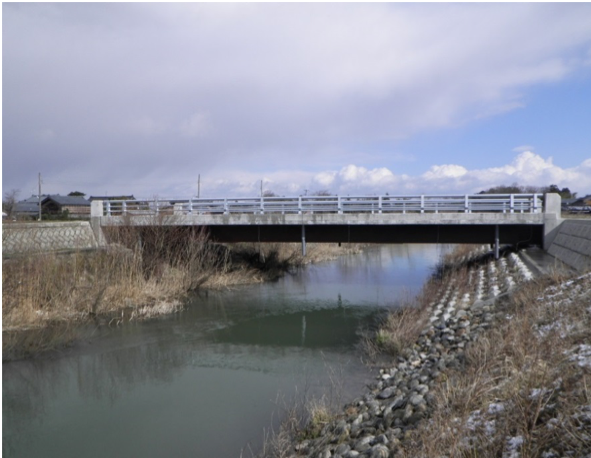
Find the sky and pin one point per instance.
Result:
(354, 98)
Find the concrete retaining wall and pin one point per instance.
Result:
(36, 237)
(572, 244)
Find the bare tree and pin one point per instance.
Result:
(322, 192)
(9, 201)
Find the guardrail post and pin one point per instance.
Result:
(108, 202)
(466, 204)
(123, 208)
(190, 206)
(226, 211)
(534, 208)
(380, 205)
(422, 204)
(512, 203)
(262, 206)
(299, 205)
(339, 206)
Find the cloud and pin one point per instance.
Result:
(45, 135)
(527, 169)
(523, 148)
(197, 125)
(150, 94)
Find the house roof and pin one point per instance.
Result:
(26, 207)
(34, 198)
(91, 198)
(581, 201)
(67, 200)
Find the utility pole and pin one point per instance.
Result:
(39, 196)
(198, 186)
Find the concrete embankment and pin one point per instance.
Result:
(20, 238)
(572, 243)
(375, 424)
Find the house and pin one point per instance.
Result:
(28, 208)
(580, 205)
(74, 206)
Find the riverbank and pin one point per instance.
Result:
(496, 363)
(48, 296)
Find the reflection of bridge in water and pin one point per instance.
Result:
(482, 218)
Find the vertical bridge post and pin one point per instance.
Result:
(303, 240)
(497, 241)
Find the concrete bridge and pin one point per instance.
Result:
(482, 218)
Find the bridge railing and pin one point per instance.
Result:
(478, 203)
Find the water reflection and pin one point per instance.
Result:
(204, 382)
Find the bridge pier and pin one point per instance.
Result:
(303, 240)
(497, 241)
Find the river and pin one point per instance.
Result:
(208, 381)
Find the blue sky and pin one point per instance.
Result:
(142, 98)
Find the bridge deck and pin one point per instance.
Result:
(507, 218)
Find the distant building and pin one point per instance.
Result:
(75, 206)
(28, 208)
(580, 205)
(91, 198)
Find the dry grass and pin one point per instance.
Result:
(145, 272)
(521, 392)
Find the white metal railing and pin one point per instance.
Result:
(477, 203)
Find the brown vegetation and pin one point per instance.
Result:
(146, 271)
(524, 390)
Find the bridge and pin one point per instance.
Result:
(482, 218)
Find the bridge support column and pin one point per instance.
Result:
(497, 241)
(303, 240)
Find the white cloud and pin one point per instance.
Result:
(526, 169)
(523, 148)
(444, 171)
